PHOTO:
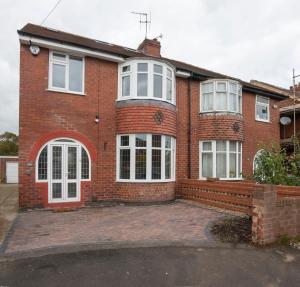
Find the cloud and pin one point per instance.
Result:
(249, 40)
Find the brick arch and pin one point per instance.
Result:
(61, 134)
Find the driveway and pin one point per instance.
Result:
(132, 225)
(8, 207)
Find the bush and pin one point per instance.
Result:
(273, 166)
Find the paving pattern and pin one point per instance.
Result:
(172, 222)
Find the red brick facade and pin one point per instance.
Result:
(46, 115)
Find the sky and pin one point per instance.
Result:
(244, 39)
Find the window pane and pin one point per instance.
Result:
(57, 162)
(262, 112)
(207, 164)
(169, 73)
(221, 86)
(240, 104)
(221, 145)
(233, 88)
(232, 165)
(75, 74)
(156, 164)
(221, 165)
(157, 87)
(208, 87)
(168, 142)
(42, 164)
(58, 76)
(125, 164)
(56, 190)
(85, 165)
(142, 67)
(168, 164)
(142, 85)
(140, 141)
(232, 146)
(207, 104)
(206, 146)
(221, 99)
(72, 192)
(140, 163)
(262, 100)
(124, 140)
(156, 141)
(158, 69)
(169, 90)
(125, 86)
(60, 57)
(239, 165)
(72, 162)
(232, 102)
(126, 69)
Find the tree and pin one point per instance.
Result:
(9, 144)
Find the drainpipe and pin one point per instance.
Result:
(189, 130)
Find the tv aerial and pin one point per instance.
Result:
(145, 19)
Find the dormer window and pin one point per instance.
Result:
(66, 73)
(221, 96)
(146, 79)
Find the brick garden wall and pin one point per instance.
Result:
(275, 210)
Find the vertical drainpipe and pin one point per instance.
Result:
(189, 129)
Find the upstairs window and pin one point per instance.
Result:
(146, 79)
(262, 109)
(221, 96)
(66, 73)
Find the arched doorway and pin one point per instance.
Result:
(63, 163)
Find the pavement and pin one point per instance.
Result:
(173, 266)
(8, 208)
(177, 223)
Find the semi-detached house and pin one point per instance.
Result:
(101, 122)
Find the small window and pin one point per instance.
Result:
(262, 109)
(43, 164)
(85, 164)
(66, 73)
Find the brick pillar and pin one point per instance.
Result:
(264, 203)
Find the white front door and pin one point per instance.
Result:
(12, 172)
(64, 184)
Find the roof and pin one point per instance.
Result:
(277, 89)
(80, 41)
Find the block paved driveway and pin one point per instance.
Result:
(176, 222)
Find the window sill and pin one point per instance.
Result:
(145, 98)
(65, 92)
(145, 181)
(222, 113)
(262, 121)
(223, 179)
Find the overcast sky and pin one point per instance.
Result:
(245, 39)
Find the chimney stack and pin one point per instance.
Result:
(150, 47)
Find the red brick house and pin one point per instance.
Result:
(104, 122)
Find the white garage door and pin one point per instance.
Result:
(12, 172)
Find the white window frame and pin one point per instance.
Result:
(148, 160)
(214, 155)
(215, 93)
(150, 92)
(66, 64)
(263, 105)
(49, 158)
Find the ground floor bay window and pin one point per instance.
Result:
(221, 159)
(145, 157)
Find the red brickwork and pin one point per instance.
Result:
(146, 119)
(145, 192)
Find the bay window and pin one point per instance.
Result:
(146, 79)
(145, 157)
(221, 96)
(221, 159)
(66, 73)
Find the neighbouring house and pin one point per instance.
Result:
(102, 122)
(9, 169)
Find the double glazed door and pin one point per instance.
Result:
(64, 184)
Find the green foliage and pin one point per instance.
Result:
(9, 144)
(273, 166)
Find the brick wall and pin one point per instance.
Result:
(273, 216)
